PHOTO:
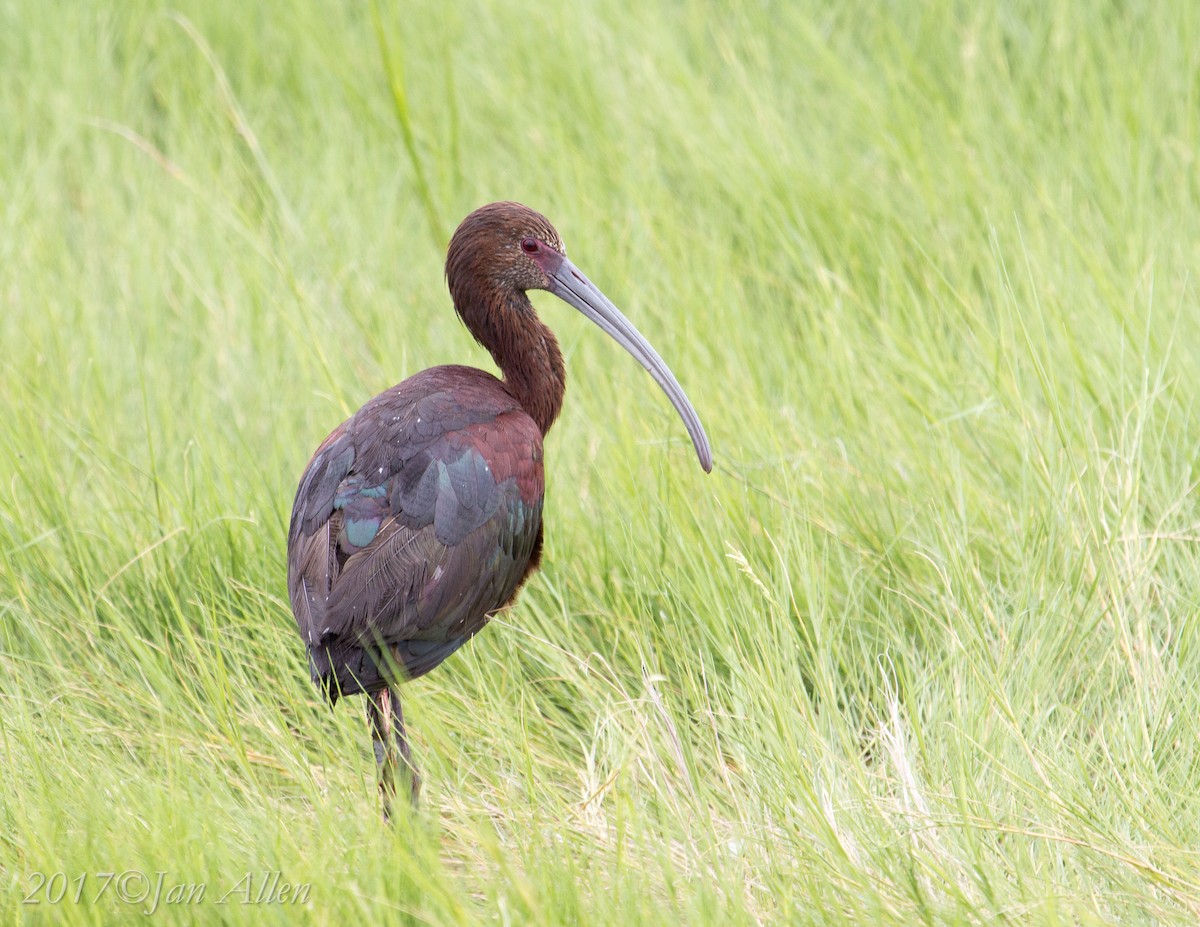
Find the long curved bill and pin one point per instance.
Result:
(573, 288)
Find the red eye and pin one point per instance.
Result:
(529, 245)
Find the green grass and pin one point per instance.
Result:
(924, 647)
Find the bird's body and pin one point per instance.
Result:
(420, 516)
(417, 518)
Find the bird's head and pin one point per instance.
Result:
(505, 247)
(502, 250)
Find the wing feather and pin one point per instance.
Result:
(416, 520)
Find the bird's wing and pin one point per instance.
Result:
(414, 521)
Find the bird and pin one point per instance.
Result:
(420, 516)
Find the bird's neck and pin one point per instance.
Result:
(527, 353)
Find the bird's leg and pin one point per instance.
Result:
(380, 715)
(391, 746)
(401, 737)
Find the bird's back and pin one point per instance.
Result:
(416, 519)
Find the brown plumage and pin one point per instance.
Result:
(489, 273)
(419, 517)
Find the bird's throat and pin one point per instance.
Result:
(528, 355)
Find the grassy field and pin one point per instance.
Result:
(924, 648)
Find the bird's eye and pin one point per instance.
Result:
(529, 245)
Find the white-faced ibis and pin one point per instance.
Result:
(419, 517)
